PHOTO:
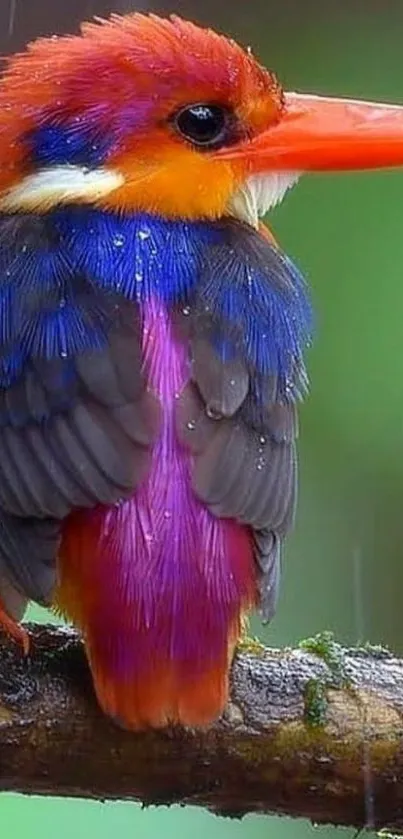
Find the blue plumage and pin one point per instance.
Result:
(61, 145)
(62, 277)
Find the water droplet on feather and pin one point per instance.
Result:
(213, 413)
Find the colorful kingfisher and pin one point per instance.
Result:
(151, 345)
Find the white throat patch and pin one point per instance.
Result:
(259, 194)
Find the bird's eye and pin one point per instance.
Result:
(203, 124)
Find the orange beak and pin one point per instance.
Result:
(321, 133)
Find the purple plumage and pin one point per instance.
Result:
(157, 583)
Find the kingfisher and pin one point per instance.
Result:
(152, 341)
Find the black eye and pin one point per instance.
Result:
(203, 125)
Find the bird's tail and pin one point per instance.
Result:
(159, 634)
(164, 693)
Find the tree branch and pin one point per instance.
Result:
(310, 735)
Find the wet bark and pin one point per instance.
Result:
(310, 735)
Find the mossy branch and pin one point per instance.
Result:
(314, 732)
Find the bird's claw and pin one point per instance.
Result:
(14, 629)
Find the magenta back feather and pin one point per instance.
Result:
(168, 578)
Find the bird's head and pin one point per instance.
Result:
(157, 115)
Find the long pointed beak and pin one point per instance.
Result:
(321, 133)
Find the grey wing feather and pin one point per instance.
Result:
(268, 557)
(242, 471)
(27, 559)
(222, 386)
(60, 451)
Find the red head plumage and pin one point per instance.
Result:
(119, 85)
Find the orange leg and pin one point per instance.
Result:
(14, 629)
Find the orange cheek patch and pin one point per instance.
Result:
(172, 181)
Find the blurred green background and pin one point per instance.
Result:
(343, 565)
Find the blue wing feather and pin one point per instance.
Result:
(259, 305)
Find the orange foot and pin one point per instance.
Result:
(14, 629)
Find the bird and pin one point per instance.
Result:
(152, 345)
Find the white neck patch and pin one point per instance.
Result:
(259, 194)
(41, 190)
